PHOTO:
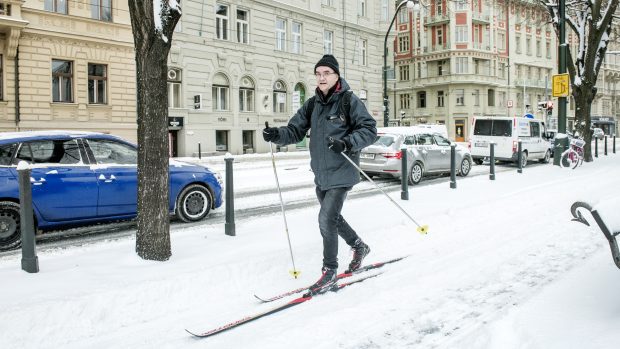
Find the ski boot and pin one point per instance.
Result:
(360, 251)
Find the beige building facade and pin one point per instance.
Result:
(67, 65)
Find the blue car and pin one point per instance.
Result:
(81, 178)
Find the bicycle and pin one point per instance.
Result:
(573, 156)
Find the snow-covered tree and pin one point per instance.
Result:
(153, 23)
(591, 22)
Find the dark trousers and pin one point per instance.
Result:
(332, 224)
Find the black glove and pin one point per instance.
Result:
(270, 134)
(338, 145)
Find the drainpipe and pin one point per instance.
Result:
(344, 39)
(17, 116)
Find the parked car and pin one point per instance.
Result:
(428, 152)
(80, 178)
(598, 133)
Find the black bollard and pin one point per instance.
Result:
(199, 151)
(30, 261)
(605, 152)
(492, 161)
(595, 147)
(229, 227)
(453, 165)
(519, 158)
(404, 192)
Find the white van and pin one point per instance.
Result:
(506, 132)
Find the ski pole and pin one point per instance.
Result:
(422, 229)
(293, 272)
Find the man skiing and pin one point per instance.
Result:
(339, 123)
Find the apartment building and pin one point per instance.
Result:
(67, 65)
(235, 65)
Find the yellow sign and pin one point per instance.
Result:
(561, 84)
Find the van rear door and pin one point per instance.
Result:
(492, 130)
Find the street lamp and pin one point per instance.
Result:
(386, 112)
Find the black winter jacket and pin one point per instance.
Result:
(332, 170)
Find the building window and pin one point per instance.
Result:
(403, 71)
(548, 49)
(279, 97)
(439, 7)
(385, 12)
(460, 96)
(101, 10)
(491, 97)
(364, 52)
(174, 88)
(243, 27)
(461, 65)
(403, 15)
(439, 37)
(502, 99)
(403, 42)
(476, 95)
(440, 99)
(280, 34)
(461, 34)
(58, 6)
(327, 2)
(221, 140)
(404, 101)
(538, 48)
(362, 8)
(221, 22)
(246, 95)
(422, 99)
(328, 42)
(461, 5)
(219, 92)
(501, 41)
(440, 68)
(97, 82)
(296, 33)
(62, 81)
(518, 43)
(528, 46)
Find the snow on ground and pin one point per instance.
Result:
(502, 266)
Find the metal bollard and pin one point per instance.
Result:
(199, 151)
(229, 227)
(605, 152)
(453, 165)
(519, 159)
(595, 147)
(30, 261)
(404, 192)
(492, 161)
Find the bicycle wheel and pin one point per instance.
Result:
(566, 160)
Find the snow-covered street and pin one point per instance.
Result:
(502, 266)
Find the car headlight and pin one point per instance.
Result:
(218, 176)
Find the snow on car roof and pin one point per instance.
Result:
(39, 133)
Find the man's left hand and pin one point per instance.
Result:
(338, 145)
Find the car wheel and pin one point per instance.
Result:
(465, 167)
(194, 203)
(10, 234)
(547, 157)
(479, 161)
(523, 159)
(416, 173)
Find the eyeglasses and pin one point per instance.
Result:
(324, 75)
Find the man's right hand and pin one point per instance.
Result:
(270, 134)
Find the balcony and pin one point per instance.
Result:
(11, 24)
(478, 17)
(436, 19)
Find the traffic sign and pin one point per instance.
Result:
(560, 86)
(509, 103)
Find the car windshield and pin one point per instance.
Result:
(385, 140)
(493, 128)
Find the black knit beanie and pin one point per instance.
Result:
(328, 61)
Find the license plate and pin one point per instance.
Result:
(367, 156)
(481, 144)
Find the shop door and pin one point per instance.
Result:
(459, 130)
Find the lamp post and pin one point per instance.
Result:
(386, 112)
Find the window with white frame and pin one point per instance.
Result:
(219, 92)
(441, 66)
(280, 34)
(528, 45)
(422, 99)
(439, 7)
(404, 101)
(501, 41)
(101, 10)
(385, 11)
(461, 33)
(461, 5)
(174, 88)
(246, 95)
(403, 15)
(403, 42)
(364, 52)
(459, 94)
(279, 97)
(328, 42)
(97, 83)
(243, 26)
(327, 2)
(476, 95)
(440, 99)
(361, 10)
(62, 81)
(221, 22)
(461, 65)
(518, 43)
(296, 36)
(538, 48)
(58, 6)
(439, 37)
(403, 71)
(548, 49)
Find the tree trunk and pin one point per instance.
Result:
(152, 46)
(583, 96)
